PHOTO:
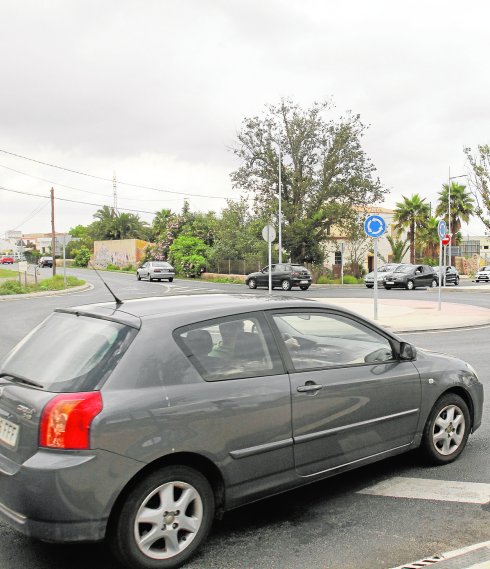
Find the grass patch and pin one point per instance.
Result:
(53, 283)
(348, 279)
(226, 280)
(6, 274)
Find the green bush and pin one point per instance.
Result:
(128, 268)
(111, 267)
(11, 287)
(82, 257)
(348, 279)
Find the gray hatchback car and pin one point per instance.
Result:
(161, 413)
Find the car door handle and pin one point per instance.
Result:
(308, 387)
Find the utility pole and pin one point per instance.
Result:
(114, 192)
(53, 235)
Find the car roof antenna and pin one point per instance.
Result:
(118, 300)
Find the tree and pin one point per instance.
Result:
(358, 244)
(411, 213)
(428, 238)
(399, 248)
(188, 255)
(480, 181)
(462, 206)
(110, 224)
(325, 171)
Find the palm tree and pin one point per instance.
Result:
(410, 214)
(429, 237)
(462, 206)
(399, 247)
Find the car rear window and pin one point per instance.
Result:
(68, 353)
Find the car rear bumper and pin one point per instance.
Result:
(53, 497)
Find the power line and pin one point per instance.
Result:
(57, 184)
(72, 201)
(109, 179)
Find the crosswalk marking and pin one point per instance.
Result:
(428, 489)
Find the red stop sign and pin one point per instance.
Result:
(446, 240)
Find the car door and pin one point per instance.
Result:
(263, 276)
(144, 270)
(278, 274)
(420, 277)
(351, 398)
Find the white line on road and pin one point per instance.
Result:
(424, 489)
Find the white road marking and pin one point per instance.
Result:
(425, 489)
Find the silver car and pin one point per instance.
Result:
(161, 413)
(383, 271)
(156, 271)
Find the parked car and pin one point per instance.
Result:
(382, 272)
(156, 271)
(162, 412)
(449, 274)
(285, 275)
(411, 276)
(6, 260)
(483, 275)
(45, 262)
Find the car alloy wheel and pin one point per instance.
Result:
(164, 519)
(410, 285)
(252, 283)
(286, 285)
(447, 429)
(433, 284)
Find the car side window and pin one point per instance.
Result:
(319, 340)
(230, 348)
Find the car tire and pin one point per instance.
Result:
(138, 276)
(160, 493)
(456, 281)
(252, 283)
(387, 287)
(304, 287)
(150, 278)
(170, 279)
(369, 286)
(433, 284)
(286, 285)
(447, 429)
(409, 285)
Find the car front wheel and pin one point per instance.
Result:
(170, 279)
(447, 429)
(163, 520)
(138, 276)
(304, 287)
(410, 285)
(286, 285)
(456, 282)
(433, 284)
(252, 283)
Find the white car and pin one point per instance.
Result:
(156, 270)
(483, 275)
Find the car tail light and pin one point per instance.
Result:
(66, 419)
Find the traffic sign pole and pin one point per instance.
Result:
(375, 227)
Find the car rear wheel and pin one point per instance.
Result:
(387, 287)
(163, 520)
(252, 283)
(170, 279)
(410, 285)
(286, 285)
(304, 287)
(447, 429)
(369, 286)
(433, 284)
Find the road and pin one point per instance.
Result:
(331, 524)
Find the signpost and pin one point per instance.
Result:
(442, 232)
(375, 227)
(269, 234)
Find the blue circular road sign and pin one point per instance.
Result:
(374, 226)
(442, 229)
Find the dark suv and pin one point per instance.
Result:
(411, 276)
(285, 275)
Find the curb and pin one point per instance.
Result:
(86, 286)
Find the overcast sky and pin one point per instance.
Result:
(155, 92)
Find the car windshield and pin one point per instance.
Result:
(387, 268)
(485, 268)
(67, 352)
(404, 269)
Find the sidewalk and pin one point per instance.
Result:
(415, 315)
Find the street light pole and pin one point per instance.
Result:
(449, 211)
(280, 208)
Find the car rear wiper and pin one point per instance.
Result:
(19, 379)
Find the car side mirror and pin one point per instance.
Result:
(407, 351)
